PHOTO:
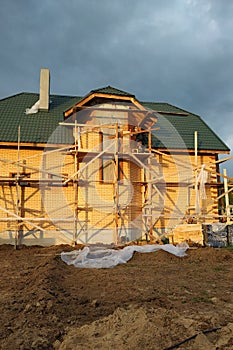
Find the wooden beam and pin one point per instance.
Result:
(100, 95)
(30, 220)
(109, 109)
(223, 160)
(75, 186)
(197, 204)
(161, 153)
(87, 164)
(17, 217)
(7, 161)
(49, 152)
(227, 203)
(17, 233)
(133, 133)
(223, 194)
(191, 151)
(91, 126)
(116, 187)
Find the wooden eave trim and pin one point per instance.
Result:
(175, 113)
(112, 96)
(192, 151)
(214, 151)
(26, 144)
(128, 110)
(139, 105)
(33, 145)
(53, 145)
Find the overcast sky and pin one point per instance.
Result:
(175, 51)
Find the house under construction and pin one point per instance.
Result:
(103, 168)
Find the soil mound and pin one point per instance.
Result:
(155, 301)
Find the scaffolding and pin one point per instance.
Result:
(128, 218)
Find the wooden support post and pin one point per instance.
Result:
(87, 164)
(75, 185)
(149, 140)
(150, 188)
(147, 206)
(22, 165)
(116, 185)
(195, 147)
(17, 217)
(197, 204)
(225, 181)
(17, 233)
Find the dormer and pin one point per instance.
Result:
(113, 102)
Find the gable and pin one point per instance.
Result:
(104, 95)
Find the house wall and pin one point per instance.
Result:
(179, 186)
(171, 202)
(36, 197)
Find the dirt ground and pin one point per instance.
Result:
(155, 301)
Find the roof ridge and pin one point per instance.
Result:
(105, 89)
(70, 96)
(18, 94)
(159, 102)
(165, 103)
(176, 108)
(37, 94)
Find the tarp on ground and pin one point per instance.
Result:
(100, 257)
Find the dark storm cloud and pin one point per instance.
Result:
(177, 51)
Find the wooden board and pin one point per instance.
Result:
(190, 233)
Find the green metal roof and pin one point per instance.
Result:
(177, 130)
(36, 127)
(176, 125)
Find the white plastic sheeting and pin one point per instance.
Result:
(34, 109)
(100, 257)
(201, 192)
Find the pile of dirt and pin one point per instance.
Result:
(141, 328)
(155, 301)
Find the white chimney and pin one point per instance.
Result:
(44, 89)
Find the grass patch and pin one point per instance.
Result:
(219, 268)
(202, 299)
